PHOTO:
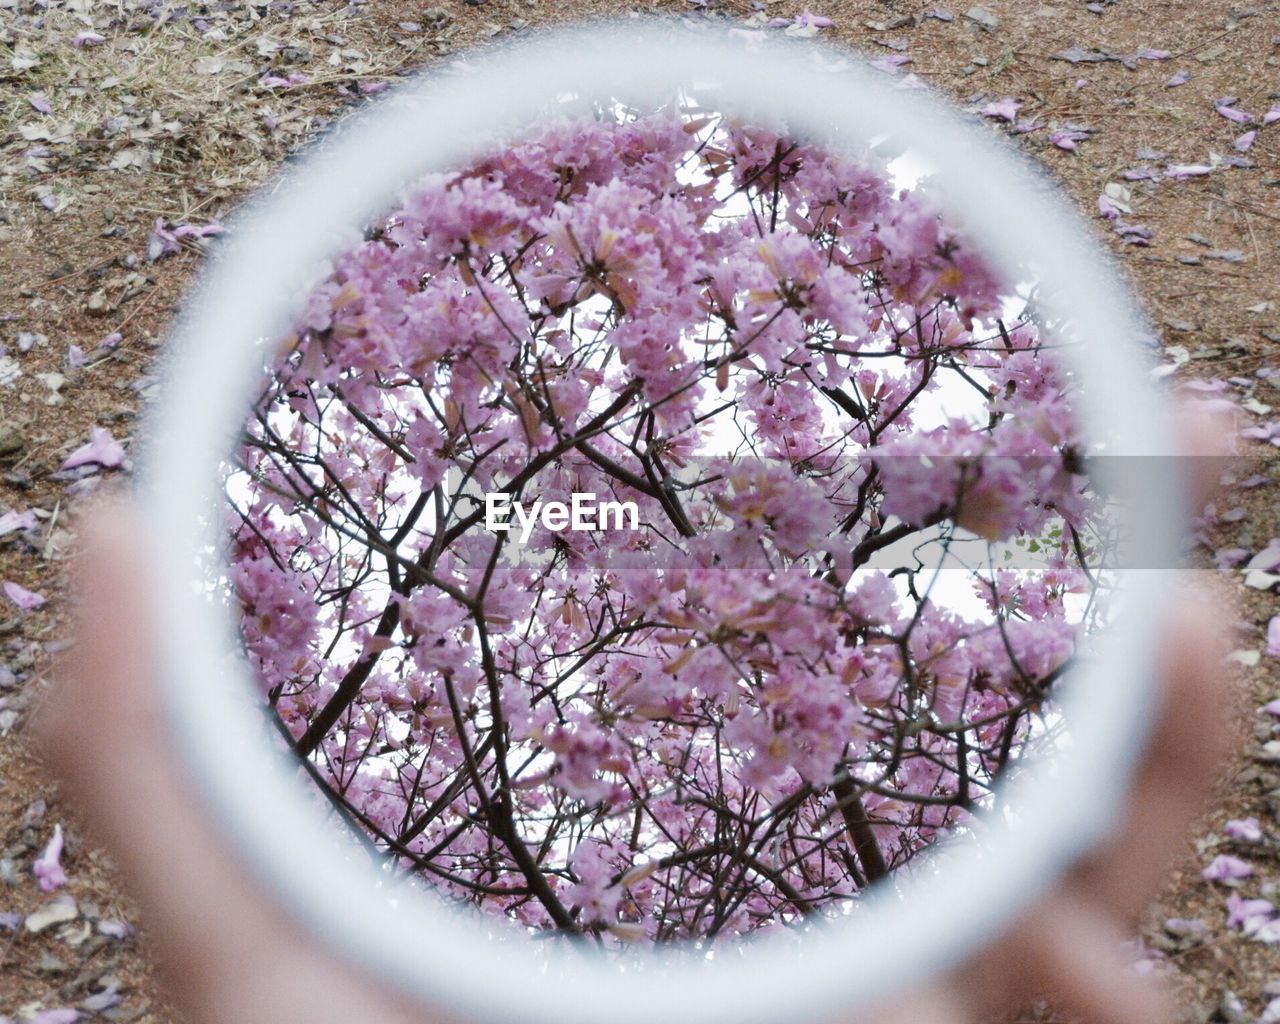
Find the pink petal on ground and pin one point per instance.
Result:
(1105, 209)
(1273, 637)
(1178, 78)
(1064, 140)
(808, 18)
(1272, 115)
(1226, 868)
(40, 102)
(1231, 114)
(11, 521)
(1247, 830)
(1183, 171)
(48, 867)
(27, 600)
(1272, 709)
(1229, 558)
(102, 449)
(82, 39)
(63, 1016)
(890, 63)
(198, 230)
(1146, 53)
(1248, 914)
(1267, 559)
(1245, 141)
(1002, 110)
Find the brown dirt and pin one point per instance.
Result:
(189, 138)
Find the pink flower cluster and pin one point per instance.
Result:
(748, 709)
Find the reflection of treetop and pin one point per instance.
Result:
(731, 716)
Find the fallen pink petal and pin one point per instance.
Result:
(890, 63)
(27, 600)
(1002, 110)
(1068, 136)
(1248, 915)
(1246, 830)
(808, 19)
(1226, 868)
(1245, 142)
(48, 867)
(11, 522)
(1184, 171)
(1273, 637)
(83, 39)
(60, 1016)
(1177, 78)
(1232, 114)
(101, 449)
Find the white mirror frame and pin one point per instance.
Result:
(280, 245)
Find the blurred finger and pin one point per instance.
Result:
(1184, 757)
(1075, 959)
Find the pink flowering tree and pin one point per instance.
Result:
(754, 688)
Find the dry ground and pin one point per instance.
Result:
(166, 117)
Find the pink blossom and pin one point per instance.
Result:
(1066, 138)
(809, 19)
(1246, 830)
(1229, 111)
(1266, 560)
(11, 521)
(1248, 915)
(82, 39)
(1180, 172)
(1245, 142)
(101, 449)
(1226, 868)
(1002, 110)
(48, 866)
(1228, 558)
(27, 600)
(747, 644)
(58, 1016)
(289, 81)
(1269, 431)
(890, 63)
